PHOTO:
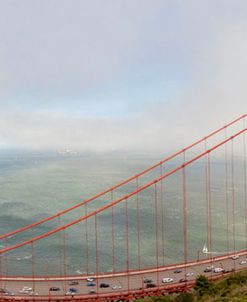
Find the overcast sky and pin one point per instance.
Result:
(119, 74)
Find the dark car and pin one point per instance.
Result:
(149, 285)
(207, 270)
(91, 284)
(147, 280)
(73, 290)
(104, 285)
(54, 288)
(182, 280)
(177, 271)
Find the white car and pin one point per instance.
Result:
(114, 287)
(218, 270)
(31, 293)
(91, 279)
(167, 280)
(243, 262)
(69, 293)
(22, 291)
(189, 274)
(234, 257)
(27, 288)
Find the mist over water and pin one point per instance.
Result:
(36, 185)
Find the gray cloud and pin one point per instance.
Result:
(65, 49)
(60, 48)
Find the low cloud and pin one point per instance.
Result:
(211, 37)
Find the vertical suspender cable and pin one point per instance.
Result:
(210, 204)
(127, 242)
(47, 277)
(6, 259)
(209, 210)
(207, 199)
(64, 258)
(245, 184)
(233, 198)
(60, 250)
(33, 265)
(7, 264)
(227, 194)
(96, 251)
(86, 247)
(138, 225)
(184, 201)
(113, 235)
(156, 230)
(1, 273)
(162, 216)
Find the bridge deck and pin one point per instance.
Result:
(128, 285)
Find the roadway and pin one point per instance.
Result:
(118, 282)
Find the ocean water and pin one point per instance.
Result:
(35, 185)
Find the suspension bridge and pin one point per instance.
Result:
(151, 234)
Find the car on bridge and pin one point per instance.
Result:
(150, 285)
(71, 291)
(73, 282)
(6, 292)
(147, 280)
(190, 274)
(54, 289)
(104, 285)
(182, 280)
(91, 279)
(27, 288)
(177, 271)
(167, 280)
(208, 268)
(115, 287)
(25, 292)
(91, 284)
(218, 270)
(33, 293)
